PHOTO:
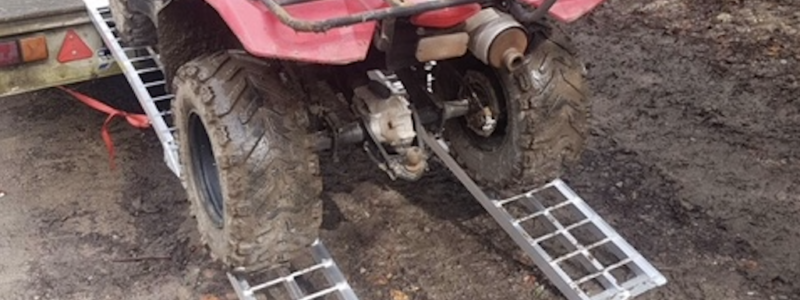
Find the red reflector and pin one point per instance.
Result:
(73, 48)
(9, 53)
(446, 17)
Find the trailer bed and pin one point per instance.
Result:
(11, 10)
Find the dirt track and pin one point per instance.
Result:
(694, 159)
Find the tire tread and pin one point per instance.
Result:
(554, 112)
(272, 206)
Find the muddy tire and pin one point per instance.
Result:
(542, 124)
(248, 164)
(135, 28)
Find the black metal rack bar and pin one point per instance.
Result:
(396, 9)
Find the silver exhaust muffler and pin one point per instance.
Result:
(497, 39)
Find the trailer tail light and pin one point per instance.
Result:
(33, 48)
(9, 53)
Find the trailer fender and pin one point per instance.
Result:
(262, 34)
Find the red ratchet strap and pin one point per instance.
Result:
(136, 120)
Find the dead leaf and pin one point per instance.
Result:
(529, 279)
(231, 296)
(209, 273)
(749, 265)
(379, 280)
(774, 51)
(209, 297)
(399, 295)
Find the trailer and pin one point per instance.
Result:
(45, 43)
(581, 254)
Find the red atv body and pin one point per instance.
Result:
(263, 34)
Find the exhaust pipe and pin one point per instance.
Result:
(497, 39)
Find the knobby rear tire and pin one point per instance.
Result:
(268, 172)
(547, 114)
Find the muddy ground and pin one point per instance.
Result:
(695, 159)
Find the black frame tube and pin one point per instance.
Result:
(525, 15)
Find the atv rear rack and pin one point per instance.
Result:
(396, 9)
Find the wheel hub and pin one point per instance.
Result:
(484, 106)
(204, 166)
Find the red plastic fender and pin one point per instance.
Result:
(569, 10)
(263, 35)
(446, 17)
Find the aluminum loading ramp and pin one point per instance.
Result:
(582, 255)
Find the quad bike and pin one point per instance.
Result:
(262, 87)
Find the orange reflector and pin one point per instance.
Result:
(33, 48)
(73, 48)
